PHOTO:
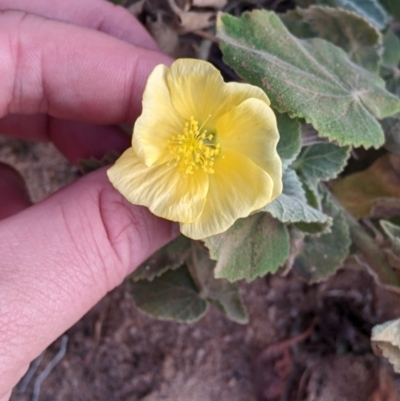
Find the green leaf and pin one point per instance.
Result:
(371, 10)
(391, 49)
(169, 257)
(251, 248)
(322, 256)
(385, 340)
(345, 29)
(310, 79)
(312, 193)
(391, 58)
(173, 296)
(313, 196)
(292, 207)
(298, 25)
(392, 7)
(220, 292)
(289, 144)
(322, 161)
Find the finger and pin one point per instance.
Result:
(76, 141)
(13, 193)
(94, 14)
(6, 397)
(79, 141)
(59, 257)
(74, 73)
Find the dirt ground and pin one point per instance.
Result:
(303, 343)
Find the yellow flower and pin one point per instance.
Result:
(203, 151)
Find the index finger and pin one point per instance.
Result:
(100, 15)
(70, 72)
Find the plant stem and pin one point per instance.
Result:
(371, 252)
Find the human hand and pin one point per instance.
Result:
(70, 71)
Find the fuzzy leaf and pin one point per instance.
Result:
(345, 29)
(173, 296)
(391, 49)
(220, 292)
(312, 193)
(310, 79)
(298, 25)
(386, 341)
(169, 257)
(321, 256)
(292, 207)
(252, 247)
(322, 161)
(289, 144)
(371, 10)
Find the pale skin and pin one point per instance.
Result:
(70, 70)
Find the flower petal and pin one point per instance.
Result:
(237, 188)
(165, 191)
(197, 89)
(158, 121)
(251, 130)
(238, 92)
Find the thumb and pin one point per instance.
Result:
(59, 257)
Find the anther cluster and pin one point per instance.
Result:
(194, 149)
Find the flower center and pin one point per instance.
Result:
(194, 149)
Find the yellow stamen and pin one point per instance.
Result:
(193, 150)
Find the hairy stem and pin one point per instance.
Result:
(371, 252)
